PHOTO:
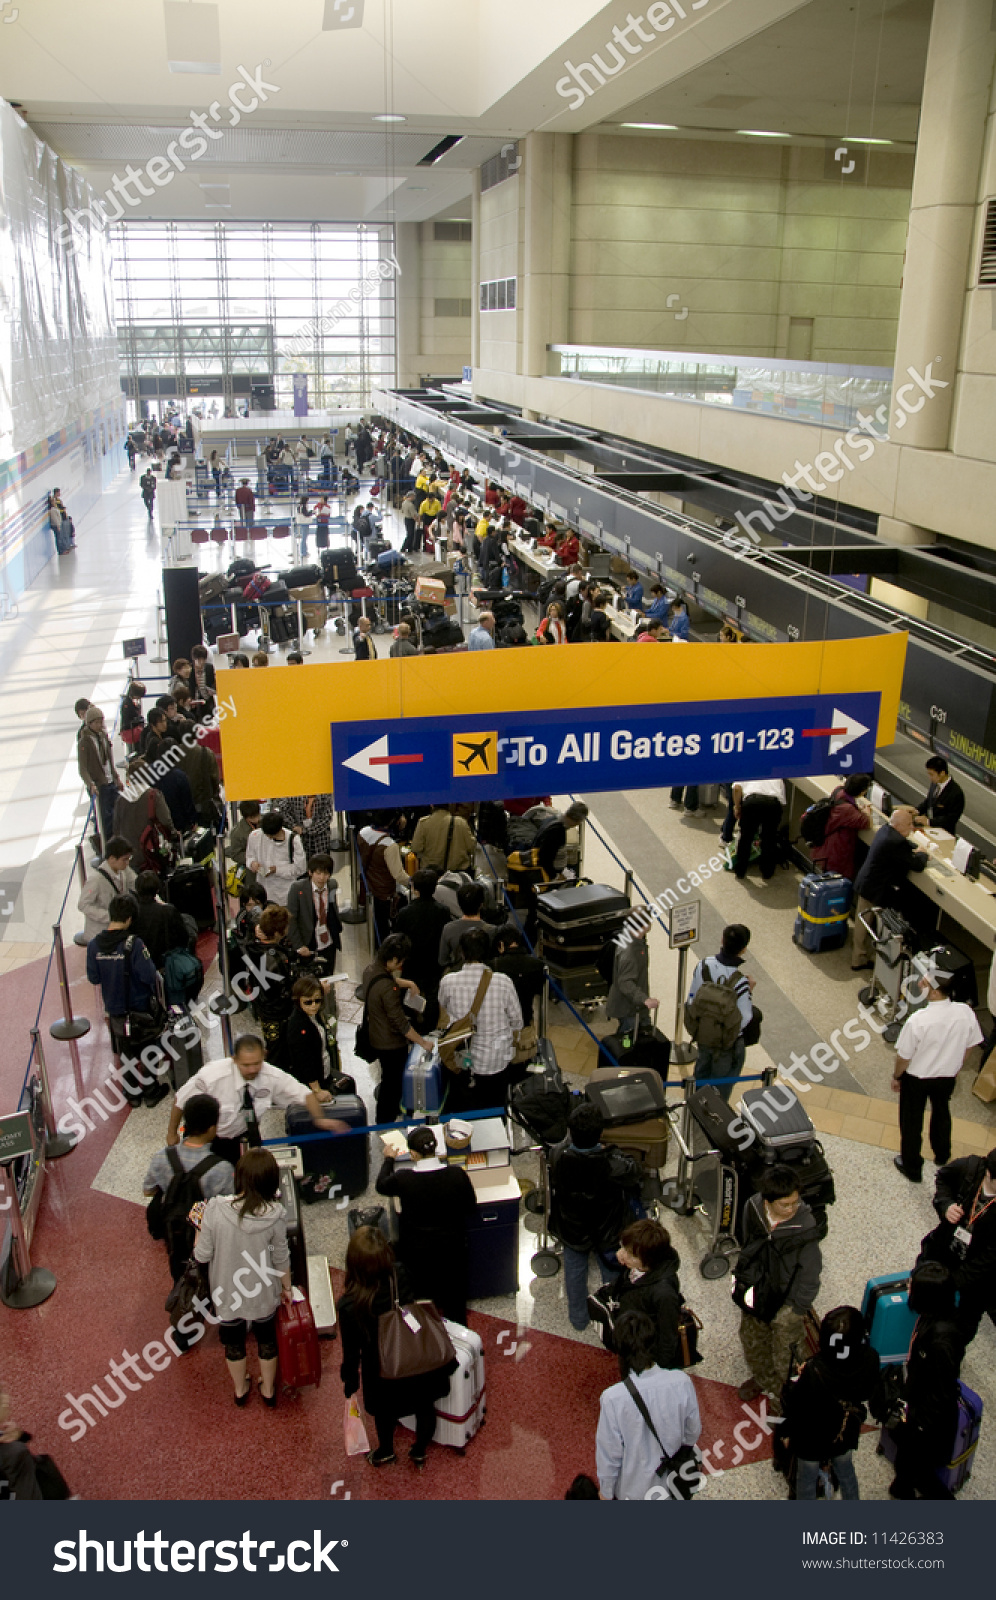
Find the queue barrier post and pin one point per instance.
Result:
(56, 1143)
(223, 967)
(682, 1054)
(354, 912)
(340, 839)
(68, 1028)
(31, 1285)
(300, 630)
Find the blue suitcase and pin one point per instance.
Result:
(422, 1087)
(890, 1321)
(824, 902)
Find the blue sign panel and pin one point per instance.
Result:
(512, 754)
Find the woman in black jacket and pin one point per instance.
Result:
(437, 1203)
(925, 1441)
(310, 1052)
(371, 1273)
(269, 953)
(824, 1405)
(649, 1283)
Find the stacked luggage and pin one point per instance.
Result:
(631, 1100)
(339, 571)
(574, 920)
(314, 611)
(821, 921)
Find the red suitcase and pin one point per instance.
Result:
(297, 1345)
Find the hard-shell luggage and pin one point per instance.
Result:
(885, 1308)
(389, 560)
(182, 1044)
(422, 1087)
(341, 1158)
(298, 1350)
(441, 634)
(459, 1413)
(190, 889)
(959, 1470)
(200, 845)
(824, 902)
(571, 907)
(339, 569)
(211, 586)
(632, 1102)
(581, 985)
(776, 1116)
(648, 1048)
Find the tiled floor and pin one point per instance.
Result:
(66, 642)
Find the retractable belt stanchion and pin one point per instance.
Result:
(300, 630)
(340, 838)
(354, 912)
(31, 1285)
(681, 1054)
(56, 1143)
(68, 1028)
(545, 1262)
(81, 938)
(223, 1016)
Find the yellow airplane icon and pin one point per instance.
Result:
(475, 755)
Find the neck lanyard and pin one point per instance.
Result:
(976, 1211)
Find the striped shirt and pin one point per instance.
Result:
(493, 1044)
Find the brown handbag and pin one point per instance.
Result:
(459, 1033)
(411, 1340)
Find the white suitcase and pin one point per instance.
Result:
(460, 1413)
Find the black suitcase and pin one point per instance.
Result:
(190, 889)
(295, 1233)
(579, 984)
(627, 1096)
(442, 634)
(301, 577)
(277, 591)
(574, 906)
(283, 626)
(185, 1055)
(343, 1157)
(200, 845)
(651, 1048)
(717, 1121)
(339, 569)
(242, 567)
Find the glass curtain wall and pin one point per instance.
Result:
(234, 309)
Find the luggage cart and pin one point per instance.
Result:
(894, 941)
(706, 1185)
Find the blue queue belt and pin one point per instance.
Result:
(386, 1127)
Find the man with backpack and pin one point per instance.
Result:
(719, 1008)
(775, 1281)
(119, 964)
(113, 877)
(181, 1174)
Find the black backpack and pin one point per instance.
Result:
(166, 1216)
(541, 1104)
(605, 961)
(813, 822)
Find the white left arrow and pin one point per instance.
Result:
(361, 762)
(846, 730)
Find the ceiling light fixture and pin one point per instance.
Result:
(852, 139)
(388, 116)
(662, 127)
(762, 133)
(193, 37)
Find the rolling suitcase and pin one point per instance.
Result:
(777, 1119)
(885, 1308)
(570, 908)
(339, 569)
(582, 985)
(632, 1102)
(200, 845)
(298, 1350)
(649, 1048)
(422, 1087)
(959, 1470)
(824, 902)
(301, 577)
(341, 1158)
(186, 1056)
(295, 1233)
(190, 889)
(721, 1124)
(459, 1413)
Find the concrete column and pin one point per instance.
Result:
(942, 215)
(544, 290)
(408, 332)
(475, 270)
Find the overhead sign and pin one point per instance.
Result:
(421, 760)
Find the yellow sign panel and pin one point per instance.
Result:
(475, 755)
(276, 726)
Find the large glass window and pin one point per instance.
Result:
(257, 300)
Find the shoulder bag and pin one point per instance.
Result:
(457, 1035)
(362, 1045)
(679, 1484)
(412, 1339)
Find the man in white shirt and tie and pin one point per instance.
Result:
(245, 1086)
(315, 927)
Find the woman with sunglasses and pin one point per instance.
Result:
(310, 1051)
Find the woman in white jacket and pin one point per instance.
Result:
(243, 1242)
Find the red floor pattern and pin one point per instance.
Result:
(180, 1436)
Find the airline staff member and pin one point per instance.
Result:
(945, 800)
(245, 1086)
(930, 1053)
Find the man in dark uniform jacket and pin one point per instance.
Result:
(965, 1201)
(882, 879)
(945, 800)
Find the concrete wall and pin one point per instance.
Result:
(431, 269)
(500, 255)
(747, 235)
